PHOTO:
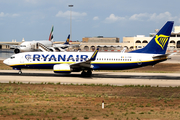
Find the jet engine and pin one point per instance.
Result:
(16, 50)
(62, 68)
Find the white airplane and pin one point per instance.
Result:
(44, 45)
(67, 62)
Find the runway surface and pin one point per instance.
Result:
(112, 78)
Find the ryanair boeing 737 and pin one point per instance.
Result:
(66, 62)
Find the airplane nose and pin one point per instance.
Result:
(6, 61)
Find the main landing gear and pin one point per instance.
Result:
(87, 73)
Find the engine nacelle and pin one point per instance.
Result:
(62, 68)
(16, 51)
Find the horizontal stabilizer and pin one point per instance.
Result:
(164, 56)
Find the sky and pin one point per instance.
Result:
(33, 19)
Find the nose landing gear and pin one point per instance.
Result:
(20, 72)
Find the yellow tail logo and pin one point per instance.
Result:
(67, 40)
(161, 40)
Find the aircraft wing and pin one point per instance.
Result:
(64, 45)
(87, 63)
(12, 46)
(172, 54)
(60, 45)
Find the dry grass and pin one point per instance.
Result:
(49, 101)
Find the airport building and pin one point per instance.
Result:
(103, 43)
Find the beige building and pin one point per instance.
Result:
(104, 43)
(100, 39)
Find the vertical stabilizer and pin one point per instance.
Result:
(67, 41)
(51, 34)
(159, 42)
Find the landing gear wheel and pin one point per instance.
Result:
(20, 72)
(87, 73)
(83, 73)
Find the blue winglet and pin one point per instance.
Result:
(93, 57)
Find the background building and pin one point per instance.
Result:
(100, 39)
(104, 43)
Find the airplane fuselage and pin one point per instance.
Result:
(66, 62)
(31, 46)
(103, 61)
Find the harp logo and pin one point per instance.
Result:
(28, 57)
(161, 40)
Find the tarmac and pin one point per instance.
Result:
(111, 78)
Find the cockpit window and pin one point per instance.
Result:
(12, 57)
